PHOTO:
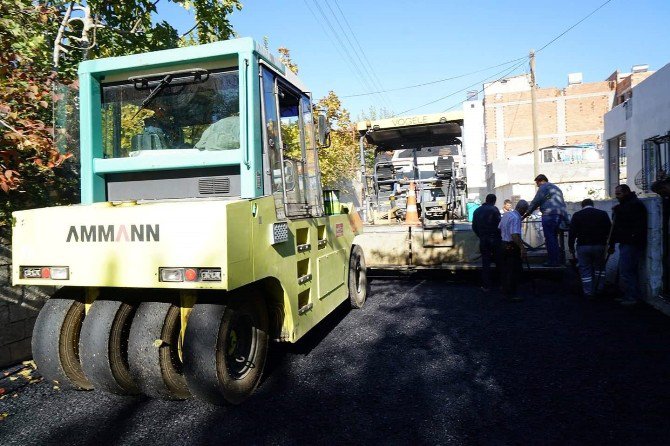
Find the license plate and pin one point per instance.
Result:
(32, 273)
(210, 275)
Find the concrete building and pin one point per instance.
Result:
(637, 133)
(474, 147)
(570, 130)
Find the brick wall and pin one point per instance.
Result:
(573, 115)
(18, 310)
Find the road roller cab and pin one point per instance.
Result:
(202, 233)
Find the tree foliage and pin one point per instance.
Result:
(32, 171)
(339, 162)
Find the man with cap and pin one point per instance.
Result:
(590, 227)
(549, 198)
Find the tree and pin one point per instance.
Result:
(340, 162)
(33, 172)
(285, 58)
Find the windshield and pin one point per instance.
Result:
(200, 115)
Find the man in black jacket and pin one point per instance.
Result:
(485, 224)
(590, 227)
(630, 232)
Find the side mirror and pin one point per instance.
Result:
(323, 130)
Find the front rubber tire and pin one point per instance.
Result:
(55, 343)
(104, 347)
(153, 351)
(358, 281)
(225, 349)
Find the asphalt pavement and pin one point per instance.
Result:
(428, 360)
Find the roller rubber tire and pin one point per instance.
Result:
(55, 343)
(358, 282)
(153, 351)
(103, 347)
(209, 345)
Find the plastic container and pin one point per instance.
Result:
(470, 208)
(331, 201)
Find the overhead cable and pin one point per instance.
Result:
(573, 26)
(346, 56)
(439, 80)
(506, 72)
(369, 72)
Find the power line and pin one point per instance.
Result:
(523, 59)
(573, 26)
(506, 71)
(347, 56)
(483, 89)
(437, 81)
(357, 54)
(360, 47)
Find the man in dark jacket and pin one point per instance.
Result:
(630, 232)
(485, 222)
(590, 227)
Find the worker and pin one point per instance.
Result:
(590, 227)
(485, 222)
(630, 232)
(507, 206)
(549, 198)
(513, 249)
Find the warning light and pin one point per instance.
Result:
(46, 273)
(190, 274)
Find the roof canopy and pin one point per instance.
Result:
(413, 131)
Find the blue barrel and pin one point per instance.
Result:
(470, 208)
(331, 201)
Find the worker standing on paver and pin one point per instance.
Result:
(485, 221)
(630, 232)
(513, 249)
(590, 227)
(549, 198)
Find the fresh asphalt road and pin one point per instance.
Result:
(427, 361)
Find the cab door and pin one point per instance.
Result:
(285, 147)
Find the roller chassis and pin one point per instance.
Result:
(181, 266)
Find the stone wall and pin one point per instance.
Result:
(18, 310)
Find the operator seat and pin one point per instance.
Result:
(444, 167)
(385, 174)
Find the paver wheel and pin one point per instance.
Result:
(225, 348)
(55, 343)
(104, 346)
(358, 282)
(153, 351)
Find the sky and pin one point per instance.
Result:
(353, 47)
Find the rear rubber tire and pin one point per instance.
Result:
(225, 349)
(153, 351)
(358, 282)
(55, 343)
(104, 347)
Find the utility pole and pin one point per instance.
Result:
(533, 108)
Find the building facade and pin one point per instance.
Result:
(570, 127)
(637, 134)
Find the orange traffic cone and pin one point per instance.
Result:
(412, 214)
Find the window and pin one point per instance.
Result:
(548, 156)
(656, 161)
(171, 112)
(621, 143)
